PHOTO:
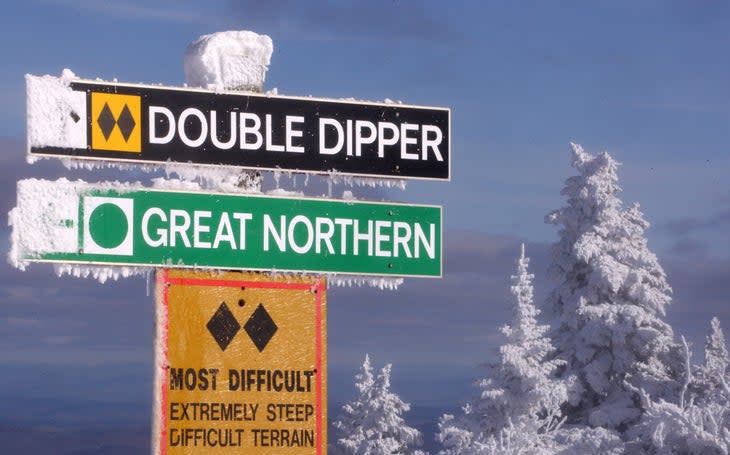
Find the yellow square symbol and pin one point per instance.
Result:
(116, 122)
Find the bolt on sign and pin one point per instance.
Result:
(240, 364)
(154, 124)
(83, 223)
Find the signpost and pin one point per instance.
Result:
(153, 124)
(241, 364)
(241, 358)
(83, 223)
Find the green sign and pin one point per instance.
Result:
(80, 223)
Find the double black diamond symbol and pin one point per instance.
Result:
(259, 327)
(107, 122)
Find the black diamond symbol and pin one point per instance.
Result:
(223, 326)
(106, 121)
(126, 123)
(260, 327)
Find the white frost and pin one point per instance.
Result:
(219, 178)
(233, 60)
(335, 176)
(39, 199)
(56, 114)
(382, 283)
(101, 273)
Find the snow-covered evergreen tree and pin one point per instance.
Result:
(519, 396)
(371, 424)
(680, 425)
(609, 301)
(707, 385)
(716, 355)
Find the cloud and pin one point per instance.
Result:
(24, 322)
(688, 225)
(60, 339)
(176, 12)
(373, 20)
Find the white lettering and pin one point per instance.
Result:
(405, 141)
(214, 131)
(380, 238)
(199, 228)
(154, 138)
(250, 130)
(224, 233)
(428, 243)
(343, 223)
(360, 236)
(161, 239)
(269, 144)
(323, 149)
(432, 144)
(181, 229)
(401, 240)
(322, 235)
(300, 249)
(360, 139)
(292, 133)
(382, 126)
(270, 230)
(191, 111)
(242, 219)
(349, 137)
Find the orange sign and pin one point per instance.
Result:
(241, 364)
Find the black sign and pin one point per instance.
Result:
(134, 123)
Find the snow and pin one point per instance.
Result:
(38, 199)
(610, 287)
(521, 396)
(216, 178)
(101, 273)
(55, 113)
(335, 177)
(371, 424)
(382, 283)
(232, 60)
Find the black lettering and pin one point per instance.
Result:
(203, 379)
(234, 379)
(174, 438)
(214, 374)
(176, 378)
(191, 378)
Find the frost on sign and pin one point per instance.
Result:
(77, 222)
(241, 364)
(95, 120)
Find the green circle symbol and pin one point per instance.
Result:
(108, 225)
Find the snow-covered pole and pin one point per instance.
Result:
(234, 61)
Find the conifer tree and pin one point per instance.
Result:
(519, 396)
(609, 300)
(372, 424)
(716, 355)
(707, 385)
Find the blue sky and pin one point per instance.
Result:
(647, 81)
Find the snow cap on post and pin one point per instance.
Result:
(233, 60)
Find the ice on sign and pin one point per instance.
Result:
(241, 365)
(84, 223)
(137, 123)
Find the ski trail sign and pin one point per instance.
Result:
(145, 124)
(78, 222)
(240, 364)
